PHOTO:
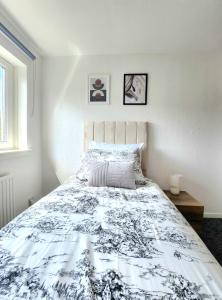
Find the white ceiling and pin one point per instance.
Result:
(67, 27)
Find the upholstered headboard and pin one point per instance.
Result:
(117, 132)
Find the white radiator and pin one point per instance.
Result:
(7, 207)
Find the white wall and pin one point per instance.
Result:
(214, 123)
(183, 111)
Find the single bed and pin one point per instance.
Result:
(82, 242)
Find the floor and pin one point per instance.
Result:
(212, 237)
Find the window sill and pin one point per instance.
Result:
(5, 154)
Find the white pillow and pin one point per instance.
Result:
(116, 147)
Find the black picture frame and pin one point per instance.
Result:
(127, 88)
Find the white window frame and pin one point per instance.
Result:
(9, 105)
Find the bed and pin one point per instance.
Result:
(82, 242)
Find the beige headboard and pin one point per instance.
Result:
(117, 132)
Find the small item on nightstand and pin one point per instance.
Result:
(175, 184)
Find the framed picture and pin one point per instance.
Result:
(98, 88)
(135, 89)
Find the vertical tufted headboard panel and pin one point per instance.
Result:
(117, 132)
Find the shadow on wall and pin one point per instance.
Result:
(59, 134)
(165, 160)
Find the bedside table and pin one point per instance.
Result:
(191, 208)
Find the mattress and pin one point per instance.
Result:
(83, 242)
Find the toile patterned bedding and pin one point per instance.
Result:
(91, 243)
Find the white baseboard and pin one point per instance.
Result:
(212, 215)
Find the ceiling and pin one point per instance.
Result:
(68, 27)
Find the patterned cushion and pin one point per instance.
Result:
(93, 155)
(111, 173)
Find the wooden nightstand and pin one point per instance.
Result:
(191, 208)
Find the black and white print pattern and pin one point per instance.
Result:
(103, 243)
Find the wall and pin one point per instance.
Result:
(183, 112)
(25, 166)
(214, 160)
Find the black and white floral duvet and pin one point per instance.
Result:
(92, 243)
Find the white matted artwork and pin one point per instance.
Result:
(98, 88)
(135, 89)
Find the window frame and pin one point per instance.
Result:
(9, 105)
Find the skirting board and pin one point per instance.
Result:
(212, 215)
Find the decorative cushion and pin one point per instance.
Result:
(93, 155)
(112, 173)
(115, 148)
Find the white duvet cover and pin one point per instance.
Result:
(91, 243)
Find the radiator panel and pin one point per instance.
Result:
(7, 207)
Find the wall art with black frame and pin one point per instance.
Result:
(135, 89)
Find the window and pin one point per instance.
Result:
(3, 118)
(6, 105)
(17, 85)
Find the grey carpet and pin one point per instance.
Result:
(212, 237)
